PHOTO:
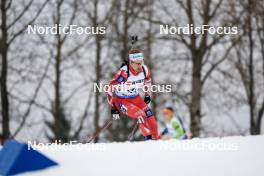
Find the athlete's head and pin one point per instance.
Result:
(136, 59)
(168, 113)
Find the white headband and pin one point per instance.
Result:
(136, 57)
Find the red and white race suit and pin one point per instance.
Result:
(124, 93)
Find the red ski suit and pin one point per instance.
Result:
(129, 102)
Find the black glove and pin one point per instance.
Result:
(147, 99)
(115, 113)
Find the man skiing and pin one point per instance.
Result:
(124, 95)
(174, 127)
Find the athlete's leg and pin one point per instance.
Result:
(128, 107)
(149, 120)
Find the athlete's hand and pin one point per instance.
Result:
(147, 99)
(115, 113)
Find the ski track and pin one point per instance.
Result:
(243, 156)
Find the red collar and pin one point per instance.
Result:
(133, 71)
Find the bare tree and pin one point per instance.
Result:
(199, 46)
(7, 38)
(247, 62)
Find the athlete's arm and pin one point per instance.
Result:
(120, 77)
(179, 130)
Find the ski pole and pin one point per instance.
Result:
(131, 134)
(106, 125)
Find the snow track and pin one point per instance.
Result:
(229, 156)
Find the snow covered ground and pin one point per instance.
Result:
(229, 156)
